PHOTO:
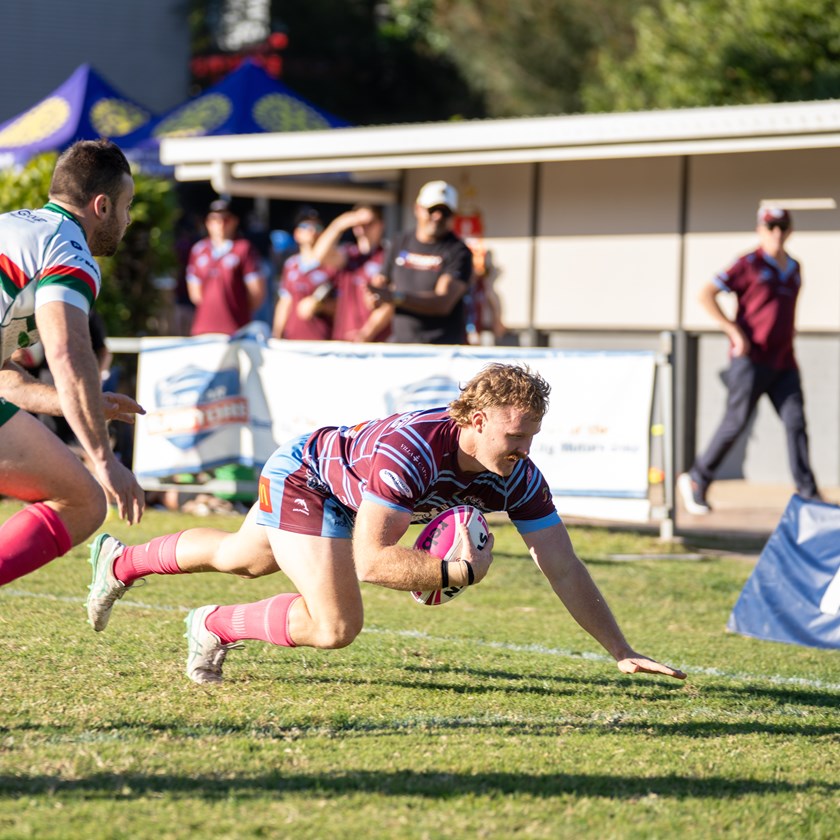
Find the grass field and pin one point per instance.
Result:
(489, 717)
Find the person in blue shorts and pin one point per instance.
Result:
(333, 506)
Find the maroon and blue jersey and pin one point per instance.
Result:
(766, 305)
(409, 462)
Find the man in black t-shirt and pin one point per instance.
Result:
(426, 273)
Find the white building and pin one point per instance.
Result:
(605, 227)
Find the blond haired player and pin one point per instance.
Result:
(333, 507)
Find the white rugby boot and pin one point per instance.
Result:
(205, 651)
(104, 590)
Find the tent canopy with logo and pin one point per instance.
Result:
(84, 107)
(246, 101)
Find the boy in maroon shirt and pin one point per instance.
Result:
(224, 281)
(766, 283)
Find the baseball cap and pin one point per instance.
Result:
(436, 193)
(774, 216)
(308, 214)
(220, 205)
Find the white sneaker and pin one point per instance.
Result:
(104, 590)
(694, 501)
(205, 651)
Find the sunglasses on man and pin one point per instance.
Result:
(442, 209)
(782, 226)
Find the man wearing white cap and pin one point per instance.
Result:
(426, 273)
(766, 283)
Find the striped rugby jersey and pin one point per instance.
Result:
(44, 257)
(409, 462)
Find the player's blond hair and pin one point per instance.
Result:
(499, 385)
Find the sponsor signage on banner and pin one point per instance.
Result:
(793, 594)
(213, 400)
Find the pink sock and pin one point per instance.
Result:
(29, 540)
(267, 621)
(156, 557)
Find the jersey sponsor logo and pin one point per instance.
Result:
(392, 480)
(474, 501)
(193, 403)
(265, 494)
(419, 262)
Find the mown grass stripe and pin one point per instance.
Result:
(589, 656)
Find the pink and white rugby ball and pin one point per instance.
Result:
(441, 538)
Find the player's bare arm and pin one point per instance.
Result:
(552, 551)
(19, 386)
(381, 561)
(64, 333)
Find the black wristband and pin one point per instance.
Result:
(444, 574)
(470, 573)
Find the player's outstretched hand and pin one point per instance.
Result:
(479, 558)
(641, 664)
(121, 407)
(121, 484)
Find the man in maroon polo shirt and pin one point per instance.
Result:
(766, 283)
(224, 281)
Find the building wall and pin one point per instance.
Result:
(724, 192)
(609, 269)
(142, 49)
(608, 249)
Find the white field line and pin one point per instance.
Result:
(588, 656)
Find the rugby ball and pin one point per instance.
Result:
(441, 538)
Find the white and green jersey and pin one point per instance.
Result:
(44, 257)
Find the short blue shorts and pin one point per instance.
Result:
(292, 497)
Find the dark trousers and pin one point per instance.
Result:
(746, 382)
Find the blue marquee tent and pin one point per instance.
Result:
(84, 107)
(247, 101)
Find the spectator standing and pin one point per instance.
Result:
(358, 264)
(426, 273)
(484, 309)
(766, 283)
(306, 301)
(50, 281)
(224, 277)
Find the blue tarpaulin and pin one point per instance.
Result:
(85, 107)
(793, 594)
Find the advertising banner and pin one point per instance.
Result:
(213, 401)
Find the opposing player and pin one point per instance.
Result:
(48, 282)
(348, 494)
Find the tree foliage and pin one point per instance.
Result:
(129, 301)
(692, 53)
(351, 60)
(525, 58)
